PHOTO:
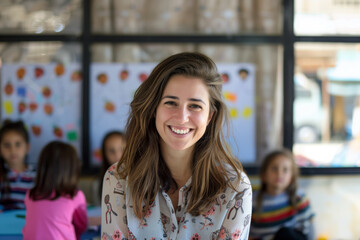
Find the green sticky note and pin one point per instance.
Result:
(71, 136)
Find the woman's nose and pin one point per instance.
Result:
(183, 114)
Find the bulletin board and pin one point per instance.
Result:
(47, 98)
(113, 87)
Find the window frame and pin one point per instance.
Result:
(287, 40)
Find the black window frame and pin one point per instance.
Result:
(287, 40)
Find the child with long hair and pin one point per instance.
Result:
(280, 210)
(55, 207)
(112, 148)
(177, 178)
(16, 177)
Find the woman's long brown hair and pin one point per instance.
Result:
(142, 162)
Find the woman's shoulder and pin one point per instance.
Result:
(112, 171)
(240, 182)
(112, 175)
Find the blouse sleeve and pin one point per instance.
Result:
(238, 216)
(80, 215)
(113, 207)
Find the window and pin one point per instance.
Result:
(297, 64)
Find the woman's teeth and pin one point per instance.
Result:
(180, 131)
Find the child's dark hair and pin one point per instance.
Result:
(291, 189)
(10, 126)
(243, 70)
(14, 126)
(105, 161)
(57, 172)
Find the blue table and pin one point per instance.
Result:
(12, 222)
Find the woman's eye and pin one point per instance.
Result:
(195, 106)
(171, 103)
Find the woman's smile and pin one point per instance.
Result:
(180, 131)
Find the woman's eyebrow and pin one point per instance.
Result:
(190, 99)
(172, 97)
(197, 100)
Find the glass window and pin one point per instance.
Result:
(327, 104)
(327, 17)
(255, 105)
(40, 16)
(187, 17)
(40, 82)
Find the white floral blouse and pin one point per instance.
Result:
(228, 218)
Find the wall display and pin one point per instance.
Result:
(47, 98)
(113, 86)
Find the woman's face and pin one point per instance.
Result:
(183, 112)
(278, 175)
(114, 147)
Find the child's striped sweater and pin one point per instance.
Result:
(19, 183)
(277, 212)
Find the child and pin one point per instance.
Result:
(55, 207)
(112, 148)
(279, 210)
(15, 176)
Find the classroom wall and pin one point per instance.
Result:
(335, 201)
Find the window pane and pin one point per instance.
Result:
(327, 104)
(40, 16)
(40, 82)
(118, 69)
(187, 17)
(327, 17)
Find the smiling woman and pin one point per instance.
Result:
(177, 179)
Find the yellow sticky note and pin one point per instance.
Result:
(233, 113)
(246, 113)
(8, 107)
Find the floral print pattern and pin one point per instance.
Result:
(228, 218)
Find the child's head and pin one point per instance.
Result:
(279, 172)
(14, 144)
(57, 172)
(112, 147)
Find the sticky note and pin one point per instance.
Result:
(8, 107)
(70, 126)
(247, 111)
(233, 112)
(230, 96)
(71, 136)
(21, 91)
(39, 98)
(31, 96)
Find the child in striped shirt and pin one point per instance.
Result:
(15, 176)
(280, 210)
